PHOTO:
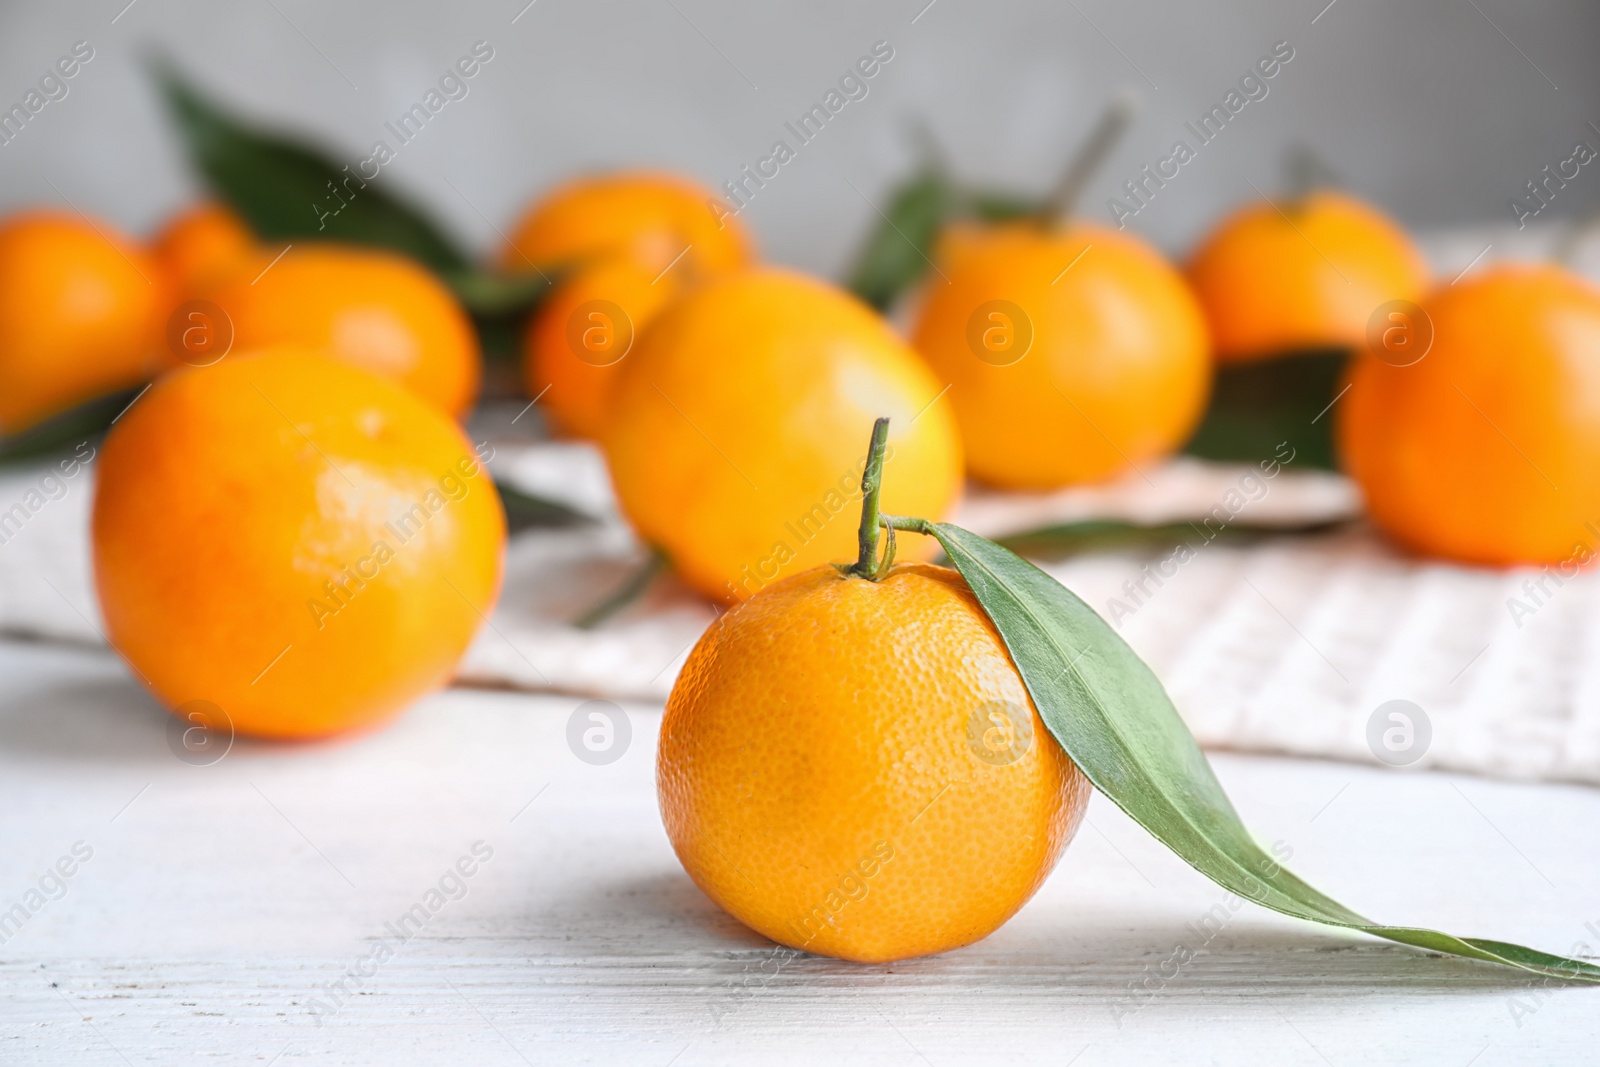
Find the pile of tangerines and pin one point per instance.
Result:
(248, 543)
(293, 534)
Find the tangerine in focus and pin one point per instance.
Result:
(734, 438)
(1305, 274)
(1072, 353)
(1484, 446)
(855, 768)
(648, 217)
(81, 312)
(297, 542)
(371, 308)
(575, 342)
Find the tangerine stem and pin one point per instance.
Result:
(1114, 122)
(1306, 172)
(866, 564)
(906, 522)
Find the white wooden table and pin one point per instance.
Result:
(221, 901)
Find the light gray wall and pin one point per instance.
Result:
(1439, 110)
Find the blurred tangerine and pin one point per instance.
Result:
(80, 314)
(1072, 354)
(649, 217)
(1484, 446)
(368, 307)
(1304, 274)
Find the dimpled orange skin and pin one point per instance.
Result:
(575, 392)
(736, 435)
(1487, 450)
(202, 246)
(1118, 369)
(373, 309)
(229, 495)
(80, 315)
(818, 742)
(1303, 275)
(644, 216)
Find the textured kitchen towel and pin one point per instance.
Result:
(1292, 644)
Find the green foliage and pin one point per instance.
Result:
(283, 187)
(1254, 406)
(61, 432)
(1113, 718)
(1109, 535)
(288, 190)
(897, 253)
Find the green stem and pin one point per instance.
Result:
(1307, 172)
(1114, 122)
(906, 522)
(636, 585)
(866, 564)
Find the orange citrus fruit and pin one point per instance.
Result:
(575, 342)
(299, 543)
(854, 768)
(735, 431)
(1071, 354)
(203, 246)
(81, 311)
(1303, 274)
(374, 309)
(1484, 446)
(648, 217)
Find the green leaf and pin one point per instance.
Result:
(900, 249)
(629, 593)
(991, 205)
(82, 423)
(286, 189)
(1255, 406)
(1098, 535)
(524, 510)
(1116, 722)
(500, 294)
(500, 306)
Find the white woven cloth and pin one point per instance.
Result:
(1285, 645)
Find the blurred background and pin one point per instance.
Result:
(1440, 111)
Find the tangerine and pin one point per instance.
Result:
(80, 315)
(651, 218)
(374, 309)
(735, 429)
(1072, 354)
(843, 794)
(299, 543)
(203, 246)
(1484, 446)
(574, 344)
(1306, 274)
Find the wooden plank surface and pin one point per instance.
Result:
(221, 905)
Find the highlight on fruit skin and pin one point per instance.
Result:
(371, 308)
(1480, 441)
(299, 543)
(1073, 353)
(736, 429)
(81, 311)
(649, 217)
(851, 765)
(1306, 273)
